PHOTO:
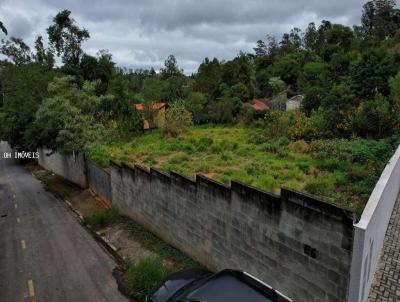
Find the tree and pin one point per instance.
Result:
(261, 49)
(311, 37)
(380, 19)
(173, 80)
(71, 117)
(221, 111)
(208, 77)
(288, 69)
(371, 71)
(277, 85)
(262, 78)
(337, 39)
(313, 82)
(196, 104)
(291, 42)
(3, 28)
(373, 119)
(67, 38)
(171, 68)
(178, 119)
(394, 84)
(43, 57)
(23, 89)
(121, 107)
(17, 51)
(337, 109)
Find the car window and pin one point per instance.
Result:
(181, 294)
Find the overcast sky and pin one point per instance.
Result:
(144, 33)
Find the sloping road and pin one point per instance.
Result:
(45, 254)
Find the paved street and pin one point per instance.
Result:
(386, 286)
(45, 254)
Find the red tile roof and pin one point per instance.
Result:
(259, 104)
(153, 106)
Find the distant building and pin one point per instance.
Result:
(294, 103)
(153, 114)
(260, 105)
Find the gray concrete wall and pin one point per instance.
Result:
(71, 167)
(296, 243)
(99, 180)
(370, 230)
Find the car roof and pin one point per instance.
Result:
(234, 286)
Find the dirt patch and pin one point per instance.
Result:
(209, 174)
(127, 245)
(54, 183)
(86, 202)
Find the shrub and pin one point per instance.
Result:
(279, 123)
(196, 104)
(270, 147)
(300, 146)
(374, 118)
(144, 276)
(328, 164)
(178, 119)
(102, 218)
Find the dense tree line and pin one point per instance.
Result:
(349, 77)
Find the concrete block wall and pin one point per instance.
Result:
(71, 167)
(300, 245)
(99, 180)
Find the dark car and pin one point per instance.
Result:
(225, 286)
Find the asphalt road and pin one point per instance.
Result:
(45, 254)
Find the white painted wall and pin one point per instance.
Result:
(292, 105)
(369, 232)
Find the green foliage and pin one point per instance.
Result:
(371, 71)
(66, 38)
(379, 19)
(196, 104)
(178, 119)
(278, 123)
(70, 118)
(102, 218)
(374, 118)
(277, 85)
(144, 276)
(23, 89)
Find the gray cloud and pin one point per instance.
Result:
(144, 33)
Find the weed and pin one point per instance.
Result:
(102, 218)
(142, 277)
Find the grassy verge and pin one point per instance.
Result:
(142, 277)
(102, 217)
(159, 247)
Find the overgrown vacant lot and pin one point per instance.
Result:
(342, 171)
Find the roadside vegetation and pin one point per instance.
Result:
(102, 217)
(142, 277)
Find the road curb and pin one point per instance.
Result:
(104, 242)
